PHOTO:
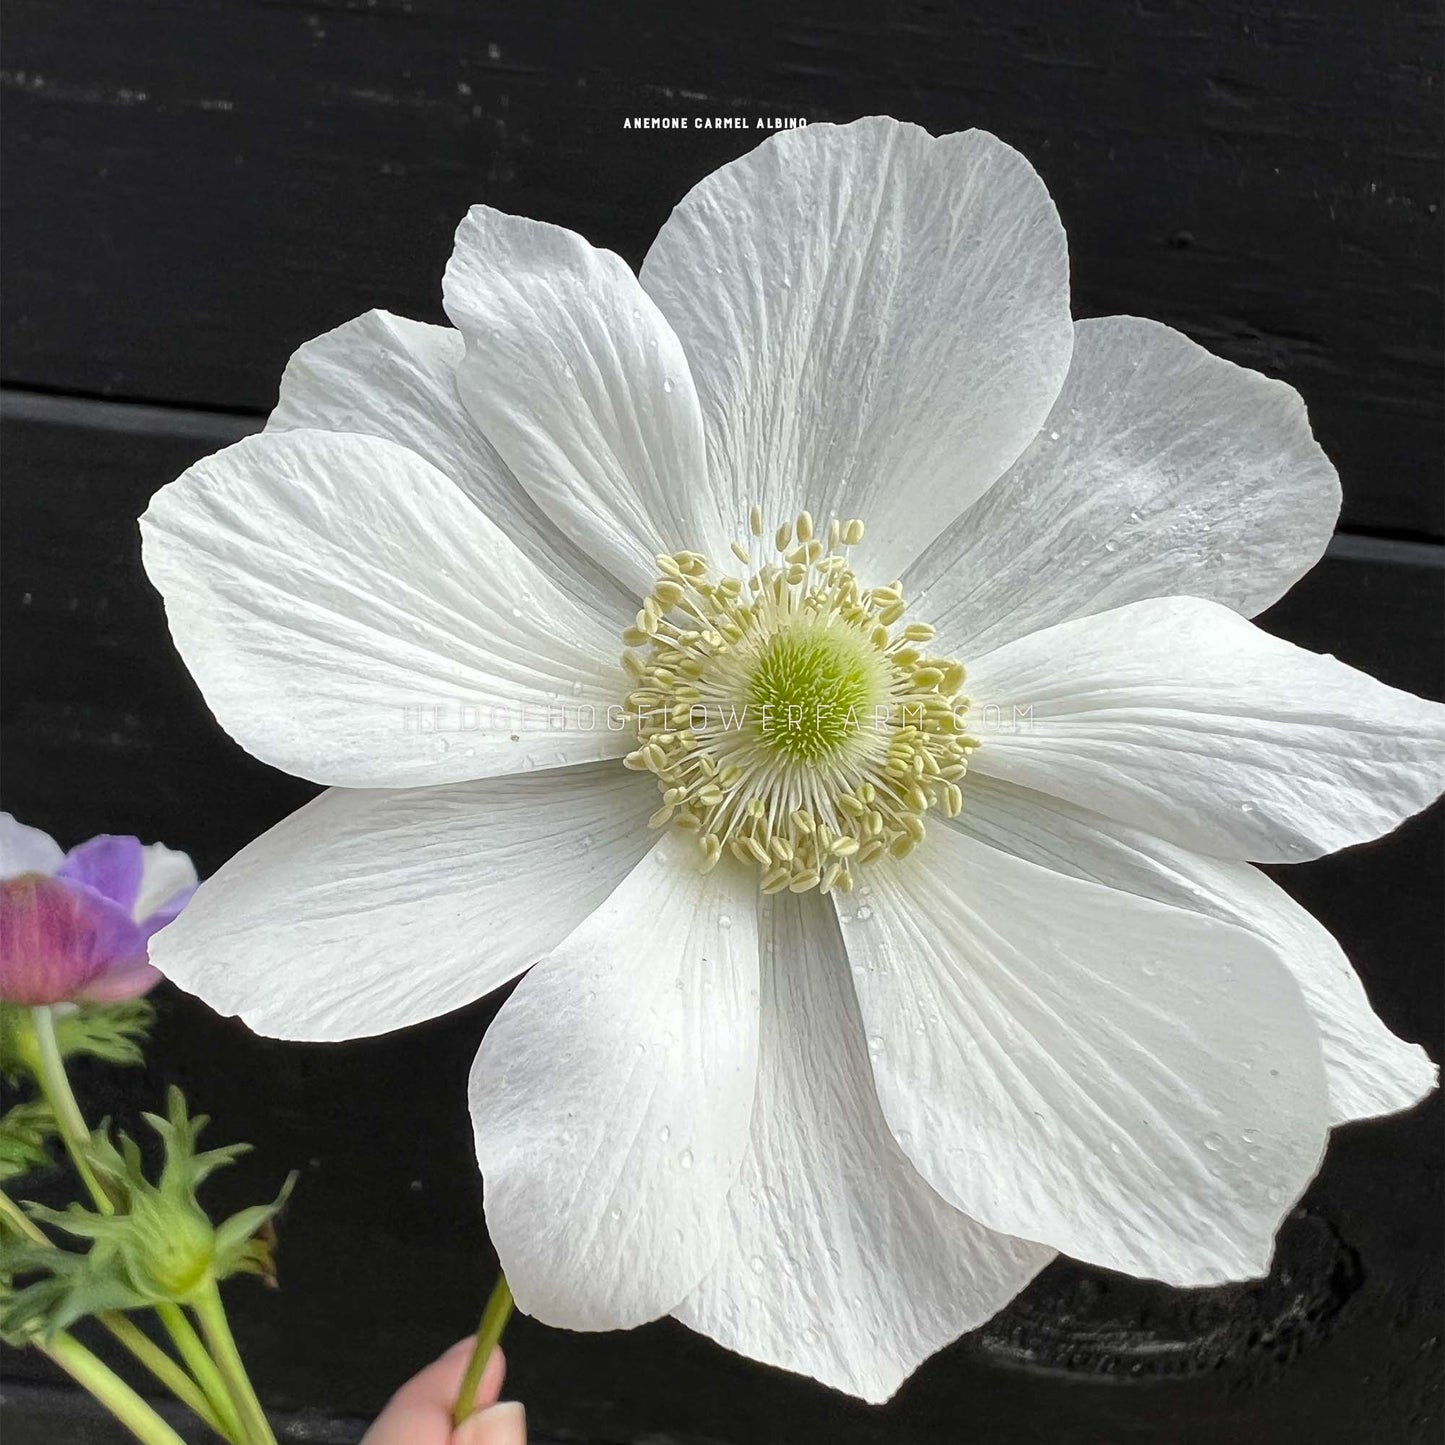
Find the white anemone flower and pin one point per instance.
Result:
(627, 623)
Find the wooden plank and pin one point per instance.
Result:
(383, 1258)
(194, 188)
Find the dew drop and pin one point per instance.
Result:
(875, 1044)
(864, 914)
(1246, 808)
(616, 1214)
(757, 1263)
(1213, 1142)
(724, 920)
(1250, 1136)
(667, 384)
(685, 1159)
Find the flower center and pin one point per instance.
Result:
(791, 716)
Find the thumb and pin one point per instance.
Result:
(502, 1424)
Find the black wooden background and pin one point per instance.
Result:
(193, 187)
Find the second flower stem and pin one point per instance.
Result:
(50, 1071)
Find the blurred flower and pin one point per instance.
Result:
(75, 927)
(892, 1009)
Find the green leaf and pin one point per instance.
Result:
(25, 1131)
(111, 1032)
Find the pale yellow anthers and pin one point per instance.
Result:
(788, 717)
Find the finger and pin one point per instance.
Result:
(421, 1411)
(504, 1424)
(440, 1381)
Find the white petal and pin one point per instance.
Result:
(1138, 1086)
(350, 616)
(837, 1260)
(612, 1094)
(385, 376)
(164, 873)
(1182, 718)
(877, 320)
(1161, 469)
(582, 387)
(1368, 1069)
(26, 850)
(369, 910)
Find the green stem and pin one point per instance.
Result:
(109, 1389)
(145, 1350)
(489, 1335)
(50, 1070)
(20, 1220)
(170, 1374)
(203, 1367)
(217, 1330)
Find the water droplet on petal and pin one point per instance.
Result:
(685, 1159)
(1213, 1142)
(664, 1133)
(875, 1044)
(667, 384)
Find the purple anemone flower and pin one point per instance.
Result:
(74, 927)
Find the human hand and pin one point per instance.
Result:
(420, 1413)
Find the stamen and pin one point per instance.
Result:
(791, 722)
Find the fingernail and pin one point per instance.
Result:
(501, 1424)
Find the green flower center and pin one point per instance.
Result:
(814, 688)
